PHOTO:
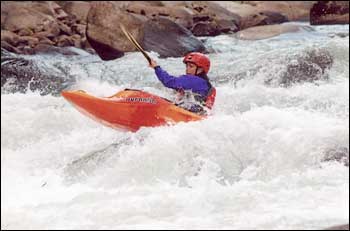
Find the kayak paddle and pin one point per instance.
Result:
(136, 44)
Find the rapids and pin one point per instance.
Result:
(258, 162)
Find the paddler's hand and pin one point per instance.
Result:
(153, 64)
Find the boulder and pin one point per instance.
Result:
(292, 10)
(309, 67)
(103, 30)
(205, 29)
(9, 37)
(262, 18)
(340, 154)
(214, 17)
(105, 36)
(7, 46)
(268, 31)
(53, 50)
(329, 12)
(79, 9)
(43, 22)
(253, 13)
(201, 17)
(25, 32)
(28, 40)
(178, 14)
(339, 227)
(169, 39)
(20, 16)
(20, 75)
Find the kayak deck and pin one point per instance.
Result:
(129, 109)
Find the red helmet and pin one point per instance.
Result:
(199, 59)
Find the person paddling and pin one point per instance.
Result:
(195, 92)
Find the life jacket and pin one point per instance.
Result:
(207, 101)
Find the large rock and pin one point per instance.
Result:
(20, 75)
(262, 18)
(309, 65)
(329, 12)
(293, 10)
(178, 14)
(103, 30)
(79, 9)
(53, 50)
(340, 154)
(206, 29)
(43, 22)
(214, 16)
(158, 34)
(9, 37)
(339, 227)
(7, 46)
(169, 39)
(30, 16)
(268, 31)
(203, 18)
(254, 13)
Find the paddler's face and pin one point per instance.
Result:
(191, 69)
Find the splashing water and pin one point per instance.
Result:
(256, 163)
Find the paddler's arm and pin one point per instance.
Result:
(164, 77)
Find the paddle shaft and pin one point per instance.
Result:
(136, 44)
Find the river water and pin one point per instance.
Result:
(255, 163)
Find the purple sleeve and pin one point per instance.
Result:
(168, 80)
(184, 82)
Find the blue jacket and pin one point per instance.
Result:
(184, 82)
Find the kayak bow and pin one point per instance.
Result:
(129, 109)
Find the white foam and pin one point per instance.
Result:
(254, 164)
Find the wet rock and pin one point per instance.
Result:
(268, 31)
(340, 154)
(329, 12)
(169, 39)
(340, 34)
(309, 67)
(7, 46)
(49, 49)
(20, 75)
(339, 227)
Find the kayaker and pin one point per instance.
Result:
(195, 92)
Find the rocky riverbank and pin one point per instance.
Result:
(168, 28)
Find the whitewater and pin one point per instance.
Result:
(256, 163)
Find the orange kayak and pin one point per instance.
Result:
(129, 109)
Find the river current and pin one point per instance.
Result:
(258, 162)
